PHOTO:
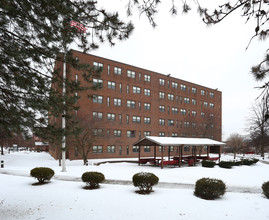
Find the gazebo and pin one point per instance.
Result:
(212, 147)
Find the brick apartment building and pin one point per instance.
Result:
(134, 102)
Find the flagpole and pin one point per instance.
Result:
(63, 117)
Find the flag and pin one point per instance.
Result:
(79, 26)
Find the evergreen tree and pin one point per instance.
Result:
(33, 35)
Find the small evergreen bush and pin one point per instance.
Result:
(145, 181)
(42, 174)
(226, 164)
(255, 160)
(208, 163)
(265, 189)
(237, 163)
(209, 189)
(247, 162)
(92, 179)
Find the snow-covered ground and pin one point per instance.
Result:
(19, 199)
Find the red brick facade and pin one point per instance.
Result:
(134, 102)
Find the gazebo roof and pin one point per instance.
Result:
(176, 141)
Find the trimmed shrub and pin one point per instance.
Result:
(92, 179)
(265, 189)
(209, 189)
(247, 162)
(145, 181)
(255, 160)
(237, 163)
(226, 164)
(42, 174)
(208, 163)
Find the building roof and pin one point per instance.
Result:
(176, 141)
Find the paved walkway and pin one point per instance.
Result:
(236, 189)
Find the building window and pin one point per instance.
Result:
(211, 105)
(174, 135)
(170, 97)
(171, 122)
(111, 85)
(205, 104)
(136, 119)
(211, 94)
(193, 101)
(161, 121)
(146, 120)
(161, 95)
(211, 115)
(120, 88)
(98, 65)
(193, 113)
(202, 114)
(111, 117)
(139, 76)
(161, 108)
(136, 90)
(147, 106)
(186, 100)
(97, 99)
(135, 149)
(171, 148)
(108, 101)
(202, 92)
(131, 134)
(117, 70)
(147, 78)
(117, 133)
(117, 102)
(130, 74)
(174, 110)
(146, 133)
(97, 132)
(108, 69)
(97, 149)
(193, 124)
(183, 111)
(146, 148)
(127, 119)
(161, 148)
(193, 90)
(147, 92)
(162, 82)
(97, 115)
(174, 85)
(186, 148)
(161, 134)
(76, 78)
(111, 149)
(186, 124)
(183, 87)
(98, 83)
(130, 104)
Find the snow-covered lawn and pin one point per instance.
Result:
(67, 200)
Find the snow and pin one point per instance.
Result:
(176, 141)
(59, 199)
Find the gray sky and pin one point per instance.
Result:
(186, 48)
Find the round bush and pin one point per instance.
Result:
(226, 164)
(208, 163)
(265, 189)
(145, 181)
(209, 189)
(247, 162)
(92, 179)
(42, 174)
(237, 163)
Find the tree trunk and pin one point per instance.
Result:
(2, 150)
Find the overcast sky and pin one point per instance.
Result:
(186, 48)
